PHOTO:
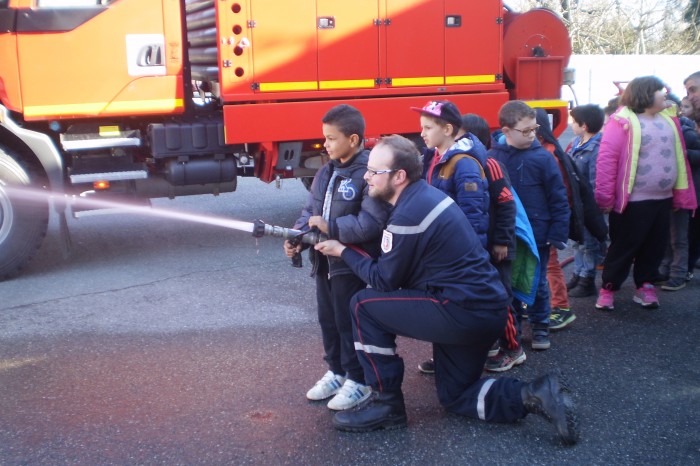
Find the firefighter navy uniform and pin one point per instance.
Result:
(433, 282)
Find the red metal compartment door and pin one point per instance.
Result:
(415, 43)
(348, 44)
(284, 45)
(472, 49)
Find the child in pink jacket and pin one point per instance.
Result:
(642, 173)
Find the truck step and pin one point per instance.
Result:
(104, 137)
(109, 176)
(90, 169)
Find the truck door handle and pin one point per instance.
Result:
(150, 55)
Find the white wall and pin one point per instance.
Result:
(595, 74)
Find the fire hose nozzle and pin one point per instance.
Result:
(261, 229)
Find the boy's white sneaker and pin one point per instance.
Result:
(350, 395)
(328, 386)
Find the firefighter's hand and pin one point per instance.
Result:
(318, 222)
(330, 247)
(499, 252)
(290, 250)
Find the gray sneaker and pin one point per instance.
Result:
(674, 284)
(505, 360)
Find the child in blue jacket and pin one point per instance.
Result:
(536, 178)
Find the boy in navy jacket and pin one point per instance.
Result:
(338, 205)
(536, 178)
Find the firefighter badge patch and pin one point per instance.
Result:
(387, 241)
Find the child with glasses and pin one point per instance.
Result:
(536, 178)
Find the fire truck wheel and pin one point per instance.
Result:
(23, 222)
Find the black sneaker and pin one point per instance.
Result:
(573, 281)
(540, 337)
(427, 367)
(560, 318)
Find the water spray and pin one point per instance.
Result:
(258, 228)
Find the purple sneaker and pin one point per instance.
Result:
(646, 296)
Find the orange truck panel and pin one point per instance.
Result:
(284, 45)
(123, 61)
(357, 51)
(473, 49)
(348, 44)
(415, 42)
(10, 95)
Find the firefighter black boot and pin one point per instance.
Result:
(382, 410)
(585, 287)
(548, 396)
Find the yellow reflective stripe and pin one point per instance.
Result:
(109, 131)
(547, 103)
(161, 104)
(65, 109)
(475, 79)
(100, 107)
(289, 86)
(425, 81)
(347, 84)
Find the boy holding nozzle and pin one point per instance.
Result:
(339, 206)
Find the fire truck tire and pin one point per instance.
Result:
(23, 223)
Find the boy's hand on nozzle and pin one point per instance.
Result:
(330, 247)
(320, 223)
(290, 250)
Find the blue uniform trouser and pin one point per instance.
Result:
(461, 340)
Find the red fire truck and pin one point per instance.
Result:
(164, 98)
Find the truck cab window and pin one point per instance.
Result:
(66, 3)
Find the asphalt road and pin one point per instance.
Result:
(166, 342)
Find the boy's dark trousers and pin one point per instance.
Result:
(639, 235)
(333, 299)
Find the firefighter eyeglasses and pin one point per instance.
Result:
(371, 172)
(526, 132)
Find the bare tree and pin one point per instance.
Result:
(628, 26)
